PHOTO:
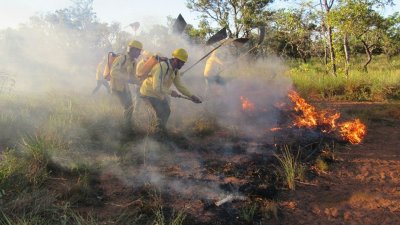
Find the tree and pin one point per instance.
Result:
(358, 19)
(238, 16)
(202, 33)
(73, 37)
(295, 28)
(391, 41)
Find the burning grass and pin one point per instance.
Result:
(247, 105)
(206, 173)
(352, 131)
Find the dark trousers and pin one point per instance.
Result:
(217, 79)
(126, 100)
(162, 109)
(102, 82)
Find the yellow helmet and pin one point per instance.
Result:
(180, 54)
(135, 44)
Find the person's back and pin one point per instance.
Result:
(123, 73)
(156, 87)
(212, 69)
(213, 65)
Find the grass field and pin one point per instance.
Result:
(381, 83)
(65, 160)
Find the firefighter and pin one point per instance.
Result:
(212, 70)
(101, 80)
(123, 73)
(141, 61)
(156, 87)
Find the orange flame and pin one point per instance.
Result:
(353, 131)
(275, 129)
(310, 118)
(246, 104)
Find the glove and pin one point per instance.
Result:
(195, 99)
(175, 94)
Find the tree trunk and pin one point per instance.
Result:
(326, 57)
(346, 54)
(327, 4)
(331, 50)
(369, 57)
(304, 58)
(303, 55)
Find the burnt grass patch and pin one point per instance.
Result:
(229, 169)
(211, 180)
(232, 170)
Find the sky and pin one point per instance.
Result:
(14, 12)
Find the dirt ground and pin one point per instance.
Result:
(363, 185)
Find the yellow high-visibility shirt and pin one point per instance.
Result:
(99, 70)
(213, 66)
(160, 79)
(140, 65)
(123, 70)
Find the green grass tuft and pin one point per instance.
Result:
(289, 164)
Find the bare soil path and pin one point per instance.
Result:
(363, 185)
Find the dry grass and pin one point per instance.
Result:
(301, 172)
(270, 210)
(361, 197)
(205, 125)
(76, 131)
(321, 164)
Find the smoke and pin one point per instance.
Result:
(45, 62)
(168, 169)
(262, 82)
(59, 63)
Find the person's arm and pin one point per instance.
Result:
(218, 61)
(180, 86)
(139, 68)
(132, 73)
(116, 68)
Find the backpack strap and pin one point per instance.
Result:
(122, 64)
(167, 62)
(161, 75)
(108, 58)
